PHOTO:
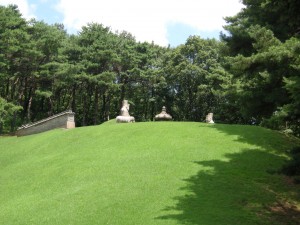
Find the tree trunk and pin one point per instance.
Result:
(13, 123)
(12, 92)
(96, 106)
(26, 97)
(7, 89)
(107, 108)
(51, 107)
(64, 98)
(29, 109)
(42, 104)
(152, 103)
(73, 107)
(123, 92)
(84, 111)
(21, 92)
(103, 107)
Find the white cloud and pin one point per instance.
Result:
(23, 5)
(147, 19)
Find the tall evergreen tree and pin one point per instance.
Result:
(263, 40)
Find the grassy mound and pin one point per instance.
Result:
(147, 173)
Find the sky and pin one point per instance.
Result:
(165, 22)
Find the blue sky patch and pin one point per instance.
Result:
(178, 33)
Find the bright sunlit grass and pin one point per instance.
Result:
(144, 173)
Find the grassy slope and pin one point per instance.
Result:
(144, 173)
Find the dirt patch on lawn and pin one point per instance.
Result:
(287, 213)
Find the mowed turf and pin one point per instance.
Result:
(147, 173)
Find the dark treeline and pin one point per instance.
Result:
(251, 76)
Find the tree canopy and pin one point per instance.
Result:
(263, 56)
(250, 76)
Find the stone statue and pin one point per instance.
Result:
(209, 118)
(163, 116)
(125, 117)
(125, 108)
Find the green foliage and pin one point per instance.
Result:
(276, 121)
(281, 17)
(267, 77)
(92, 72)
(195, 77)
(247, 78)
(263, 43)
(292, 167)
(7, 112)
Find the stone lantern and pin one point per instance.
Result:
(163, 116)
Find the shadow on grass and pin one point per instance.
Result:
(271, 141)
(237, 191)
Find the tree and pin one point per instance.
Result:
(46, 71)
(7, 113)
(281, 17)
(195, 76)
(267, 79)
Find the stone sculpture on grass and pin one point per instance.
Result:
(125, 117)
(209, 118)
(163, 116)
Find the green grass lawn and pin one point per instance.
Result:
(147, 173)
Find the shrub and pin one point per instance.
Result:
(292, 168)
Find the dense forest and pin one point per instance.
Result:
(250, 76)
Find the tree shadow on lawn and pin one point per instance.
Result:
(245, 189)
(269, 140)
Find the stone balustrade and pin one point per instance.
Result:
(62, 120)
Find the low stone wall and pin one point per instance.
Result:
(62, 120)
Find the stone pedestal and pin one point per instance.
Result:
(209, 118)
(125, 117)
(163, 116)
